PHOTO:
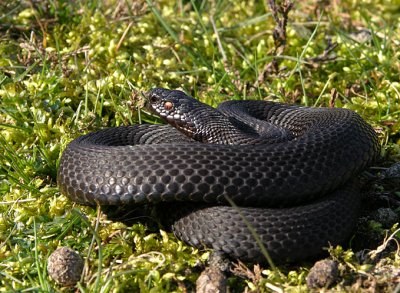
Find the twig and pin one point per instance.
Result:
(17, 201)
(123, 36)
(279, 32)
(325, 56)
(374, 253)
(334, 96)
(42, 28)
(280, 14)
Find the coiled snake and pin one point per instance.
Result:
(289, 168)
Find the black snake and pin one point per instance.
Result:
(289, 168)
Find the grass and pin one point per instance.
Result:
(71, 67)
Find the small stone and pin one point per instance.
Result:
(391, 177)
(386, 216)
(65, 266)
(211, 280)
(392, 172)
(323, 274)
(362, 35)
(219, 261)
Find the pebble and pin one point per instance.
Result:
(323, 274)
(65, 266)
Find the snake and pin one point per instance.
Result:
(248, 178)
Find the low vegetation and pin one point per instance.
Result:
(71, 67)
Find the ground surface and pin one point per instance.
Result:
(71, 67)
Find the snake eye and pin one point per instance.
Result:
(168, 105)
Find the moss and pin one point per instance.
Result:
(69, 67)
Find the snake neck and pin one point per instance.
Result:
(209, 125)
(205, 124)
(221, 129)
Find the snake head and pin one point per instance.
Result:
(174, 107)
(188, 115)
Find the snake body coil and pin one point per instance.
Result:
(289, 168)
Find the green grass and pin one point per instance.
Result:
(71, 67)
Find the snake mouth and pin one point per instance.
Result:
(178, 121)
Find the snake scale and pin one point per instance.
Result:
(291, 169)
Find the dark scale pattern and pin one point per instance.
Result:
(291, 164)
(287, 233)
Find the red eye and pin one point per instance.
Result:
(168, 105)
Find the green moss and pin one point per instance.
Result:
(69, 67)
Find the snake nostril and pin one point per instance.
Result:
(153, 99)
